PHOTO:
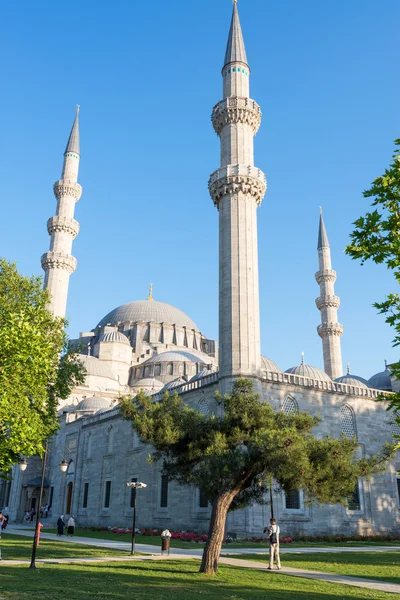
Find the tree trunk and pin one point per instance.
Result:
(210, 560)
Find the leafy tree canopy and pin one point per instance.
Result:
(376, 237)
(36, 368)
(231, 456)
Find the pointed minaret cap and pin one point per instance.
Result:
(235, 50)
(73, 141)
(323, 241)
(150, 296)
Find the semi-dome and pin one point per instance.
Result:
(268, 365)
(351, 379)
(146, 311)
(175, 383)
(114, 336)
(148, 382)
(304, 370)
(381, 381)
(93, 404)
(179, 356)
(95, 367)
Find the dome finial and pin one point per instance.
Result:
(348, 368)
(150, 296)
(386, 367)
(302, 358)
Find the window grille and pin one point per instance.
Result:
(164, 491)
(395, 429)
(289, 406)
(203, 500)
(203, 408)
(107, 494)
(132, 498)
(353, 501)
(85, 495)
(347, 422)
(292, 500)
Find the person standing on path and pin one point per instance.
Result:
(60, 526)
(71, 526)
(273, 533)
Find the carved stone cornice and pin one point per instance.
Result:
(328, 329)
(327, 302)
(325, 275)
(236, 110)
(63, 187)
(64, 225)
(58, 260)
(237, 179)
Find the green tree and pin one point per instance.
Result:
(232, 456)
(36, 368)
(376, 237)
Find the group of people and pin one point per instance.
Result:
(3, 520)
(70, 525)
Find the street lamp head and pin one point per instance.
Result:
(23, 464)
(136, 484)
(64, 465)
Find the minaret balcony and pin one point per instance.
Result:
(234, 110)
(325, 275)
(66, 187)
(58, 260)
(327, 302)
(235, 179)
(330, 329)
(60, 224)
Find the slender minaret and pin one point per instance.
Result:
(59, 263)
(330, 329)
(237, 188)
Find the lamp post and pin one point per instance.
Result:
(136, 485)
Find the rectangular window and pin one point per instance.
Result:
(398, 489)
(164, 491)
(353, 501)
(132, 500)
(85, 495)
(292, 500)
(107, 494)
(203, 500)
(51, 497)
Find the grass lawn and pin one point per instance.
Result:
(15, 547)
(155, 541)
(165, 580)
(384, 566)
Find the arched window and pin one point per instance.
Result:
(110, 440)
(347, 422)
(289, 406)
(170, 369)
(203, 407)
(157, 370)
(180, 371)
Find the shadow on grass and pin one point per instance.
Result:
(172, 581)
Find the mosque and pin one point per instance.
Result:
(152, 346)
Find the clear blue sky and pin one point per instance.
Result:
(147, 76)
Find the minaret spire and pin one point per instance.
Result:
(237, 189)
(330, 329)
(59, 263)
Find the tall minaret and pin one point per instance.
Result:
(330, 329)
(237, 188)
(58, 263)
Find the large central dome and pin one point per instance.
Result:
(148, 310)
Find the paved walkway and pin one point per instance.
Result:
(178, 553)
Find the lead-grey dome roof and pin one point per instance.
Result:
(148, 382)
(351, 379)
(381, 381)
(148, 310)
(114, 336)
(96, 367)
(308, 371)
(179, 356)
(268, 365)
(93, 404)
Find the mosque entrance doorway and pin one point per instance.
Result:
(69, 498)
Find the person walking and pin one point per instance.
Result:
(71, 526)
(273, 532)
(60, 526)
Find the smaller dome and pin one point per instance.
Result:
(268, 365)
(351, 379)
(114, 336)
(148, 383)
(201, 374)
(96, 367)
(93, 404)
(381, 381)
(179, 356)
(173, 384)
(304, 370)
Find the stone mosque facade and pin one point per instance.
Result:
(152, 346)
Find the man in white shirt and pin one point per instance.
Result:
(273, 534)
